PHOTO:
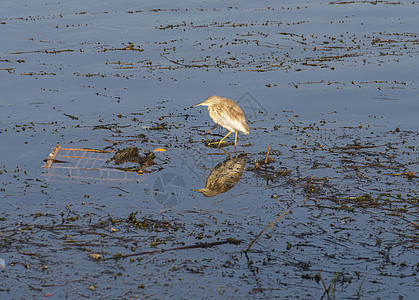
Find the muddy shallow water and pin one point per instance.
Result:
(329, 90)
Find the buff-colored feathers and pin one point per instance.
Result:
(226, 113)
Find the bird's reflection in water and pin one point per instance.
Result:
(224, 176)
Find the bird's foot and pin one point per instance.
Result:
(217, 144)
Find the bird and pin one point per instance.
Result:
(227, 113)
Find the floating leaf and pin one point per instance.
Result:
(96, 256)
(48, 295)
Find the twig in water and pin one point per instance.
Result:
(267, 154)
(109, 141)
(410, 175)
(358, 293)
(209, 130)
(326, 290)
(121, 189)
(232, 196)
(197, 245)
(272, 223)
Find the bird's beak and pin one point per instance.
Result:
(201, 104)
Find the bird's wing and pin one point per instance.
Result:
(233, 117)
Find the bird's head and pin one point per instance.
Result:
(207, 192)
(210, 101)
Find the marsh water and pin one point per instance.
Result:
(319, 201)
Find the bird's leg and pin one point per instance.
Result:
(219, 143)
(235, 141)
(211, 129)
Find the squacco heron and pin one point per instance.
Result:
(228, 114)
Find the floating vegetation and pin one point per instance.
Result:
(129, 154)
(132, 155)
(152, 225)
